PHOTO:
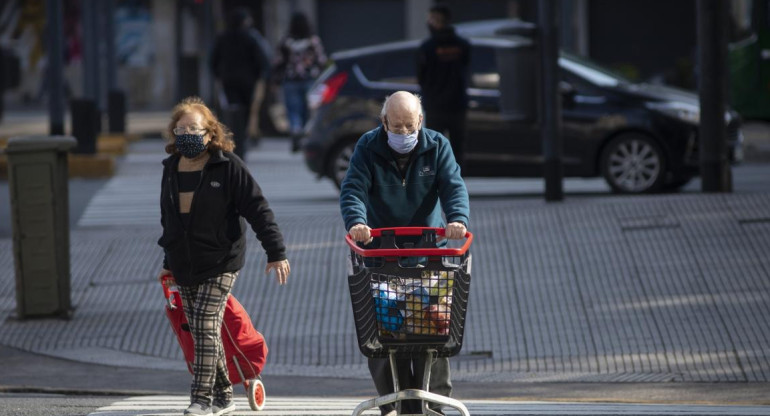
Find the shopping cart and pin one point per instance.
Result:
(409, 301)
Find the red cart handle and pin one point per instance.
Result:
(409, 252)
(167, 281)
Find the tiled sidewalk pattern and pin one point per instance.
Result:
(658, 288)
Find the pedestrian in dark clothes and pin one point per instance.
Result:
(206, 192)
(442, 72)
(239, 61)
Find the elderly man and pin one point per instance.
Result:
(403, 175)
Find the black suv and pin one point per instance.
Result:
(639, 137)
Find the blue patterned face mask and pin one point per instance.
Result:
(190, 145)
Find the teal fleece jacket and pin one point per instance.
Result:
(376, 194)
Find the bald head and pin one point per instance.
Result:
(402, 112)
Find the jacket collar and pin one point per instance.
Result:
(217, 156)
(425, 142)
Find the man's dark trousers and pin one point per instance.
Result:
(452, 125)
(410, 374)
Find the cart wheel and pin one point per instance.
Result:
(256, 394)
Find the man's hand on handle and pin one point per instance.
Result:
(282, 270)
(455, 231)
(361, 233)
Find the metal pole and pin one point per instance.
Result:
(109, 39)
(207, 83)
(716, 175)
(178, 30)
(55, 68)
(116, 98)
(86, 117)
(550, 105)
(97, 23)
(90, 75)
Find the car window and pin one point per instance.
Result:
(484, 72)
(398, 66)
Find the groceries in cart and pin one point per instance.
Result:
(420, 306)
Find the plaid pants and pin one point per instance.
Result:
(204, 306)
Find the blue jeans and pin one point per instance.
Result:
(296, 106)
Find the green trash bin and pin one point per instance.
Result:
(38, 183)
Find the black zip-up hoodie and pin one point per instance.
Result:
(215, 242)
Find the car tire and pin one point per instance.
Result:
(339, 161)
(633, 163)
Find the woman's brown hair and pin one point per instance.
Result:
(221, 137)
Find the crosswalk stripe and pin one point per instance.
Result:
(167, 405)
(285, 406)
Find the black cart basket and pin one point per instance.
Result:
(409, 300)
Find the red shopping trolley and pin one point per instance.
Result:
(245, 348)
(409, 300)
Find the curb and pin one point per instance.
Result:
(91, 166)
(112, 144)
(80, 166)
(757, 152)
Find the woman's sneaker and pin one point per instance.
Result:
(198, 409)
(221, 407)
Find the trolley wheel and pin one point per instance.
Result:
(256, 391)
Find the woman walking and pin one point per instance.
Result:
(205, 194)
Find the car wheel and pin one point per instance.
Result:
(339, 161)
(633, 163)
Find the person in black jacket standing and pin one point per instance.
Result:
(205, 194)
(442, 72)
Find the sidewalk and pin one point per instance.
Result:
(603, 298)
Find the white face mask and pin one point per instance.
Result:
(403, 143)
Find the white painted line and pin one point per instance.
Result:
(157, 405)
